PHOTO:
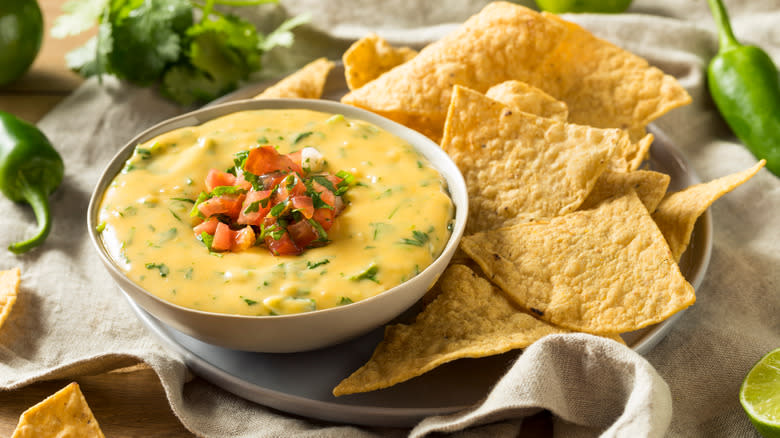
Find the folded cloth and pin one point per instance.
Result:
(71, 320)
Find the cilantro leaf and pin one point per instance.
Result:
(419, 238)
(79, 16)
(367, 274)
(161, 267)
(148, 36)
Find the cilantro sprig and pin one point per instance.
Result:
(149, 42)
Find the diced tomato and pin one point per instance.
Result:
(335, 180)
(223, 238)
(302, 233)
(229, 205)
(243, 239)
(265, 159)
(216, 178)
(243, 183)
(304, 204)
(209, 226)
(285, 192)
(324, 217)
(326, 195)
(283, 246)
(271, 180)
(295, 157)
(255, 217)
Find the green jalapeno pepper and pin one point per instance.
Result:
(21, 33)
(30, 170)
(600, 6)
(745, 85)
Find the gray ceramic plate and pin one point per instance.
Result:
(301, 383)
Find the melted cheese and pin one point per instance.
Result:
(397, 219)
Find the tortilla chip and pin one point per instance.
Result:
(470, 318)
(369, 57)
(521, 167)
(603, 271)
(677, 213)
(306, 83)
(64, 414)
(649, 186)
(9, 289)
(603, 85)
(523, 97)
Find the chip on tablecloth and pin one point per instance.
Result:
(523, 97)
(63, 414)
(519, 166)
(677, 213)
(650, 186)
(604, 271)
(9, 289)
(470, 318)
(369, 57)
(603, 85)
(306, 83)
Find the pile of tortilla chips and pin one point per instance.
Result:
(565, 232)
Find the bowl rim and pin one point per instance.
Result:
(442, 163)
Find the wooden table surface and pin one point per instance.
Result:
(126, 403)
(129, 402)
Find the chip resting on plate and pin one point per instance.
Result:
(369, 57)
(306, 83)
(470, 318)
(63, 414)
(603, 85)
(521, 167)
(650, 186)
(523, 97)
(9, 289)
(677, 213)
(604, 271)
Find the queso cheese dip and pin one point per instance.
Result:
(396, 220)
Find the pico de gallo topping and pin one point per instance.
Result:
(285, 202)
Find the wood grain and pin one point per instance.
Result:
(126, 404)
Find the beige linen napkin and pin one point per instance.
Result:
(71, 320)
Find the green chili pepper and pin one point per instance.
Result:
(30, 169)
(745, 85)
(21, 33)
(600, 6)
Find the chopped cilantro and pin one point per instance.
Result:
(161, 267)
(253, 207)
(207, 239)
(418, 238)
(368, 274)
(100, 227)
(311, 265)
(322, 235)
(191, 201)
(300, 136)
(345, 300)
(249, 301)
(277, 209)
(226, 190)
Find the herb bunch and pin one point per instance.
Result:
(160, 42)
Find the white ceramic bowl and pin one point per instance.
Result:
(298, 332)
